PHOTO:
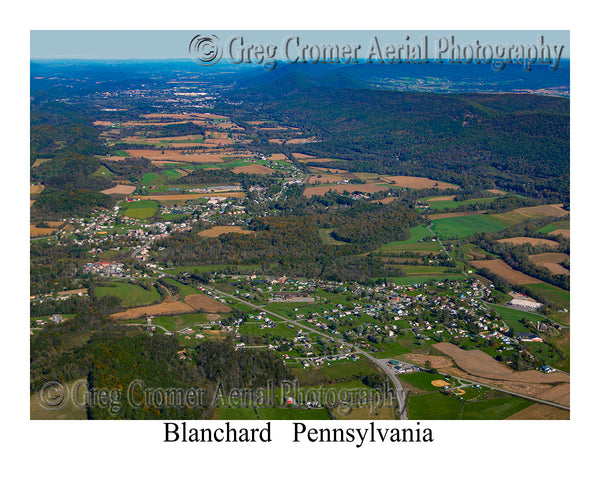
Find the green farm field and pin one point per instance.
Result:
(462, 227)
(550, 293)
(451, 204)
(512, 317)
(437, 406)
(131, 295)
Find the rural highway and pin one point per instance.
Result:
(400, 395)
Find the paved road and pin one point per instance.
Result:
(400, 395)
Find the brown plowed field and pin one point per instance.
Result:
(417, 182)
(320, 179)
(499, 267)
(441, 199)
(257, 169)
(480, 364)
(539, 411)
(565, 232)
(204, 303)
(530, 240)
(164, 308)
(310, 191)
(551, 261)
(216, 231)
(120, 189)
(437, 361)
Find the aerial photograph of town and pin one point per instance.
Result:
(334, 232)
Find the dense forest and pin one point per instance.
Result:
(515, 142)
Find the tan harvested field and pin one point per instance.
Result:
(480, 364)
(437, 361)
(552, 262)
(179, 156)
(185, 116)
(102, 123)
(307, 159)
(530, 240)
(190, 196)
(204, 303)
(120, 189)
(417, 182)
(520, 214)
(218, 141)
(565, 232)
(216, 231)
(539, 411)
(257, 169)
(328, 170)
(435, 216)
(300, 141)
(191, 145)
(303, 156)
(31, 202)
(35, 189)
(72, 292)
(502, 269)
(441, 199)
(164, 308)
(41, 232)
(319, 179)
(39, 161)
(278, 156)
(310, 191)
(496, 191)
(278, 141)
(384, 201)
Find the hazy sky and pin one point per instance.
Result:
(124, 44)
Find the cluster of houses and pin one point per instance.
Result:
(105, 269)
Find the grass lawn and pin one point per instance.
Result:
(437, 406)
(184, 290)
(512, 318)
(140, 213)
(151, 178)
(131, 295)
(462, 227)
(451, 204)
(422, 380)
(550, 293)
(327, 239)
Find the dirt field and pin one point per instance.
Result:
(439, 383)
(190, 196)
(299, 141)
(120, 189)
(520, 214)
(496, 191)
(41, 232)
(551, 261)
(565, 232)
(499, 267)
(206, 304)
(310, 191)
(302, 156)
(278, 156)
(417, 182)
(437, 361)
(256, 169)
(435, 216)
(320, 179)
(539, 411)
(441, 199)
(34, 189)
(216, 231)
(102, 123)
(328, 170)
(384, 201)
(165, 308)
(532, 241)
(480, 364)
(177, 155)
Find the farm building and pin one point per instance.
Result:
(522, 303)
